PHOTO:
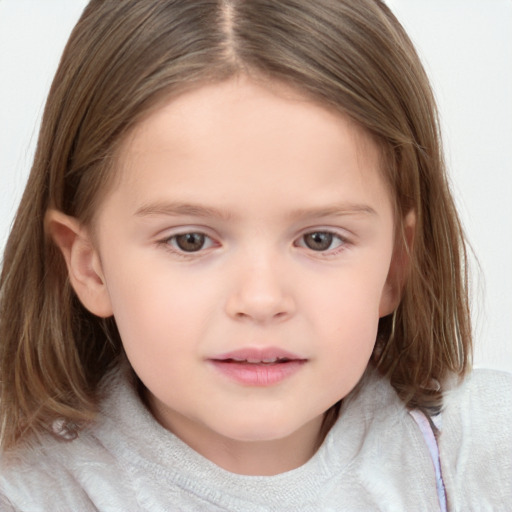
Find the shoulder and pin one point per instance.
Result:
(476, 441)
(49, 474)
(52, 473)
(480, 405)
(481, 385)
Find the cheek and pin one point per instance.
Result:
(353, 326)
(346, 319)
(347, 349)
(350, 298)
(158, 334)
(154, 306)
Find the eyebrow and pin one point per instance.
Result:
(174, 209)
(334, 211)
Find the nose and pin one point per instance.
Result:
(260, 294)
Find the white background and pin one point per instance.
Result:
(466, 46)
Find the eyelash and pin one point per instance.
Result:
(170, 243)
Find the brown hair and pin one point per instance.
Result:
(121, 59)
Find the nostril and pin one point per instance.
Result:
(251, 302)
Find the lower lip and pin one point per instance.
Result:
(253, 374)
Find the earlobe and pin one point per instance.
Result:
(399, 267)
(82, 261)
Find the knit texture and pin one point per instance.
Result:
(374, 458)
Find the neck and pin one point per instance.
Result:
(255, 457)
(265, 458)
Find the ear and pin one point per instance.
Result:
(399, 267)
(82, 261)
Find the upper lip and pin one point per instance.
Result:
(258, 355)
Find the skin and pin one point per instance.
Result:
(256, 169)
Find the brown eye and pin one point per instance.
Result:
(189, 242)
(318, 240)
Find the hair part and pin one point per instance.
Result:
(126, 56)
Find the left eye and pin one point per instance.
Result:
(320, 241)
(190, 242)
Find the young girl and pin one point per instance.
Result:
(236, 280)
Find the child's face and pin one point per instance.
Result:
(247, 224)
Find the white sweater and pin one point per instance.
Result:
(374, 458)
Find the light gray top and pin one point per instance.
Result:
(374, 458)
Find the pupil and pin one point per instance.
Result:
(190, 242)
(318, 241)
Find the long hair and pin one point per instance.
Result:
(122, 59)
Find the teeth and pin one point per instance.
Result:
(261, 360)
(268, 360)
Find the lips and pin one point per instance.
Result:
(258, 367)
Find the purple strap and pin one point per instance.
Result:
(427, 429)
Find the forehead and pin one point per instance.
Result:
(243, 108)
(244, 134)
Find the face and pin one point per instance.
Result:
(245, 252)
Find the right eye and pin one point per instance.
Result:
(190, 242)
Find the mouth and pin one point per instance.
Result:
(275, 360)
(258, 367)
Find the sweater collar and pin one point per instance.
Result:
(128, 429)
